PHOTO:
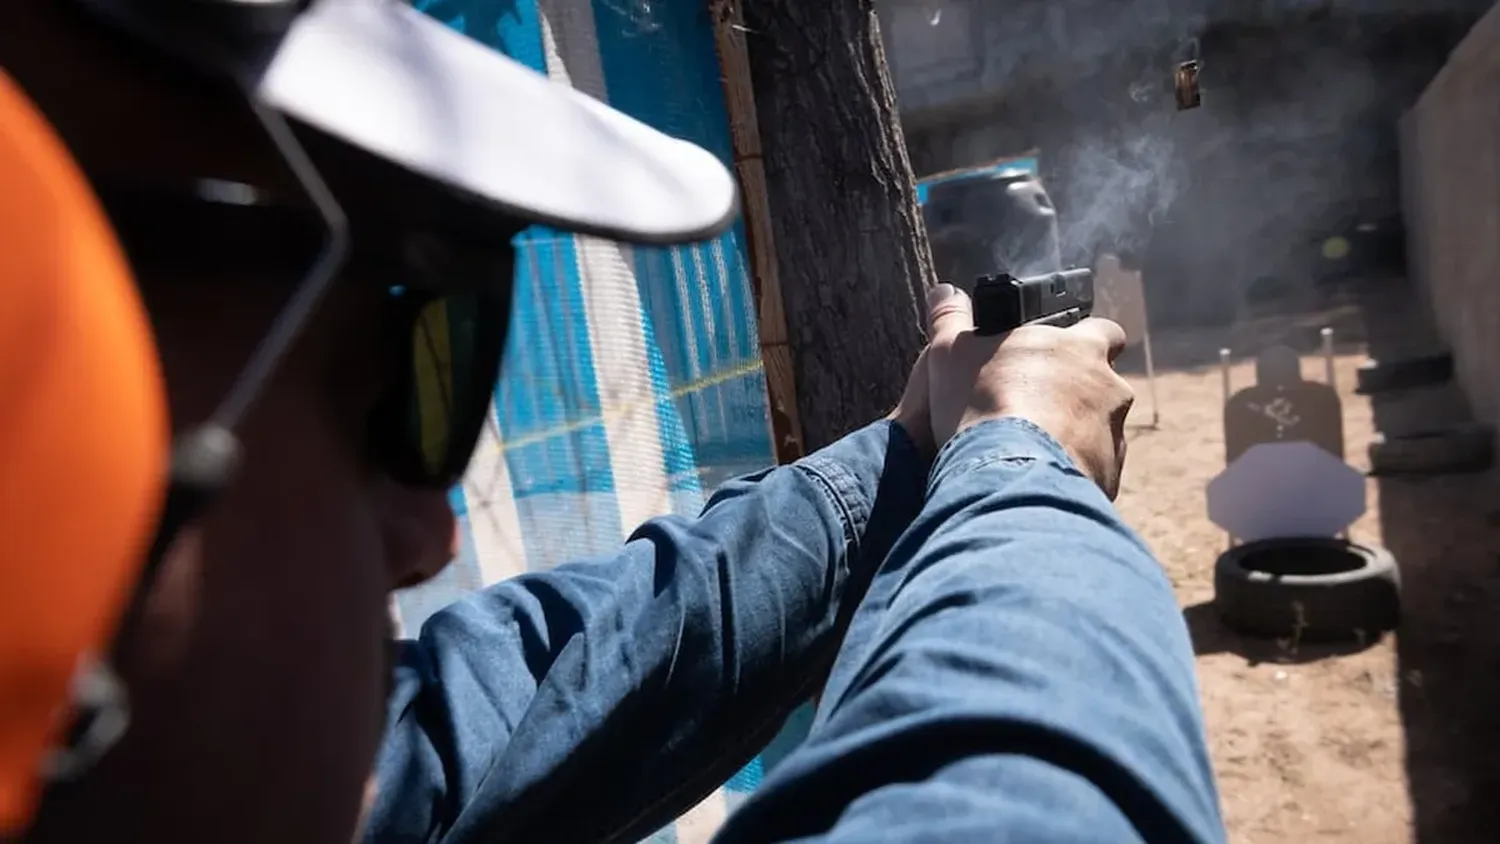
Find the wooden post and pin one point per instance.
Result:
(765, 281)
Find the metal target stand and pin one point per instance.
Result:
(1329, 377)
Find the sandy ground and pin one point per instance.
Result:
(1392, 742)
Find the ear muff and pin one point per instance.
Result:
(83, 440)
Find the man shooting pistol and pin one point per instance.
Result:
(265, 240)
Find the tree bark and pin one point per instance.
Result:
(851, 250)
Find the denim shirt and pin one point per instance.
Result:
(1000, 659)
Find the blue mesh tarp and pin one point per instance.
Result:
(632, 383)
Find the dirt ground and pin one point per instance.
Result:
(1395, 741)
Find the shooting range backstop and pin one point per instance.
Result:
(632, 383)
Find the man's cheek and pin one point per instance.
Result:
(418, 530)
(365, 807)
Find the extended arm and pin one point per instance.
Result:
(601, 699)
(1019, 671)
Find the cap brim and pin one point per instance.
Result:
(384, 77)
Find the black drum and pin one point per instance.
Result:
(991, 222)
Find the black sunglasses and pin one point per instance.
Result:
(444, 329)
(443, 353)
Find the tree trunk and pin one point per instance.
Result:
(851, 250)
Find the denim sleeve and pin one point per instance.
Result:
(1019, 671)
(601, 699)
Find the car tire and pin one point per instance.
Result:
(1308, 589)
(1383, 376)
(1447, 451)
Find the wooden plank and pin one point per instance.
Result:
(749, 166)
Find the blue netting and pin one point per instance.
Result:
(666, 338)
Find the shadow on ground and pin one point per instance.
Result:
(1210, 636)
(1445, 533)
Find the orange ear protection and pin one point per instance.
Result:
(83, 440)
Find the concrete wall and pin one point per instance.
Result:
(1450, 175)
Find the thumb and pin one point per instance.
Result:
(949, 312)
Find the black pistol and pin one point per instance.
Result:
(1003, 302)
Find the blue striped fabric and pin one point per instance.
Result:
(664, 338)
(661, 67)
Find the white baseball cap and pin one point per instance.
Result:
(388, 79)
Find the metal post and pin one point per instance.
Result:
(1224, 375)
(1328, 375)
(1151, 382)
(1224, 371)
(1329, 378)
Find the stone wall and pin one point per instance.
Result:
(1450, 173)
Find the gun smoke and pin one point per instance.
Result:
(1295, 140)
(1118, 186)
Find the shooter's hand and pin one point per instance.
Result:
(914, 413)
(1061, 379)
